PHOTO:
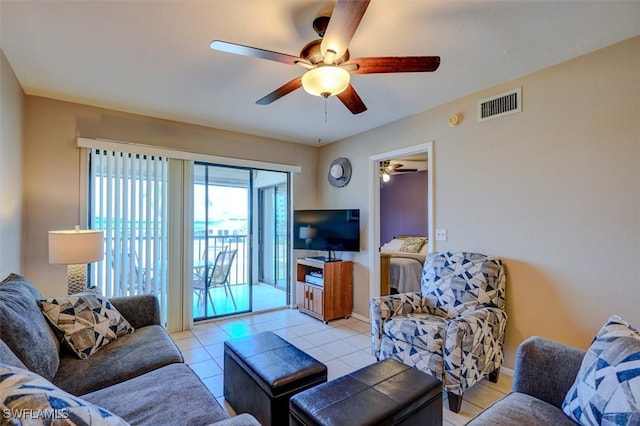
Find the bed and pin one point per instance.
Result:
(401, 262)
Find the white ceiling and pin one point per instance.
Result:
(153, 57)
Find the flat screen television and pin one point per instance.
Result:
(327, 230)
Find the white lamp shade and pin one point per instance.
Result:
(326, 80)
(75, 247)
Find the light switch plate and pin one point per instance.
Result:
(441, 235)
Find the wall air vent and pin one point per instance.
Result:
(497, 106)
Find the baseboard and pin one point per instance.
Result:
(360, 317)
(507, 371)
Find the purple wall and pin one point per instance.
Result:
(403, 206)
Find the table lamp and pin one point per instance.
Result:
(75, 248)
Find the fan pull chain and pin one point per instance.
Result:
(325, 110)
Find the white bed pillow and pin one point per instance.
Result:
(392, 246)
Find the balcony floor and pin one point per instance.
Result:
(265, 297)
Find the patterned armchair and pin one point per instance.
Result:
(453, 329)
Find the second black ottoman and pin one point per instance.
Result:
(385, 393)
(261, 373)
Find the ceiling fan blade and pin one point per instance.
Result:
(391, 64)
(344, 21)
(239, 49)
(350, 98)
(287, 88)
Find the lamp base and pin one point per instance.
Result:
(76, 278)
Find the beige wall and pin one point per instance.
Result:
(52, 161)
(554, 190)
(11, 207)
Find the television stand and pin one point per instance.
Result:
(324, 289)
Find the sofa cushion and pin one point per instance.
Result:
(24, 328)
(8, 357)
(176, 388)
(32, 400)
(128, 356)
(86, 321)
(520, 409)
(461, 282)
(607, 388)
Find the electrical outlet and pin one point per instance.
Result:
(441, 235)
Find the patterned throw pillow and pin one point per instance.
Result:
(30, 399)
(86, 320)
(413, 244)
(607, 388)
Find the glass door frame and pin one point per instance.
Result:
(280, 239)
(248, 249)
(252, 249)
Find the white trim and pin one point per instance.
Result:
(141, 149)
(374, 206)
(83, 210)
(507, 371)
(360, 317)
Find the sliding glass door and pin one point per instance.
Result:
(229, 259)
(222, 243)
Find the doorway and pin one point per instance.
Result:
(403, 197)
(375, 182)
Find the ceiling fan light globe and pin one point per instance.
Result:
(325, 80)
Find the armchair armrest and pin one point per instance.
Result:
(140, 310)
(546, 369)
(478, 334)
(384, 307)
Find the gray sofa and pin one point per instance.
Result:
(140, 377)
(544, 372)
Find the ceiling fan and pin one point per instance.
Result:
(327, 59)
(387, 169)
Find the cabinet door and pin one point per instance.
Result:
(300, 294)
(316, 295)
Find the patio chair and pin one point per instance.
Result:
(453, 329)
(127, 269)
(215, 276)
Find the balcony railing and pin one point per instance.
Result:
(205, 249)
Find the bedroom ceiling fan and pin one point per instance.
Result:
(327, 59)
(387, 169)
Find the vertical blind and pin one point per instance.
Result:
(128, 200)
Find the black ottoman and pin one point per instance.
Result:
(261, 373)
(385, 393)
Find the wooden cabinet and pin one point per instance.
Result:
(324, 289)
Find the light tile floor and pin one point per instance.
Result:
(343, 345)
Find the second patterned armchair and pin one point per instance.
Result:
(453, 329)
